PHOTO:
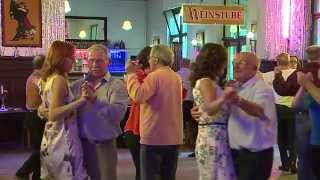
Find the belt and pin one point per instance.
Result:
(245, 150)
(213, 123)
(96, 141)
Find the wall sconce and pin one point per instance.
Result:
(127, 25)
(194, 43)
(250, 35)
(82, 34)
(67, 7)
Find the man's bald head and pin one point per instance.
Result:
(250, 58)
(246, 65)
(38, 61)
(283, 59)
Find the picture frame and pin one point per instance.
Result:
(21, 23)
(253, 28)
(200, 39)
(253, 45)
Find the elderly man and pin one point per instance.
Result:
(286, 129)
(34, 123)
(161, 125)
(252, 122)
(99, 121)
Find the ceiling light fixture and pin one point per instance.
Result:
(67, 7)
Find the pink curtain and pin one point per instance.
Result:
(273, 37)
(298, 32)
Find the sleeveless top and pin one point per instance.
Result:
(218, 118)
(61, 150)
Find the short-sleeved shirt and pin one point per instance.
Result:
(250, 132)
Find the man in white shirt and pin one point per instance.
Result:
(252, 123)
(285, 114)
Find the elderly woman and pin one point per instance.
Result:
(161, 129)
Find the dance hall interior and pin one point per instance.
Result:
(160, 90)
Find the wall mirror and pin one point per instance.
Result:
(86, 28)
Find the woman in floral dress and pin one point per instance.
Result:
(212, 150)
(61, 151)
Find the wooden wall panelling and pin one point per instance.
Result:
(13, 74)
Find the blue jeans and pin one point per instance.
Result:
(158, 162)
(303, 129)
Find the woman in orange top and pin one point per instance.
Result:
(132, 134)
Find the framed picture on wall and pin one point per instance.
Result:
(253, 28)
(200, 38)
(21, 23)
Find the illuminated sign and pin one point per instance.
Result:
(208, 14)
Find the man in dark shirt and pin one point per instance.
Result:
(302, 121)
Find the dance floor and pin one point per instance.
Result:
(10, 161)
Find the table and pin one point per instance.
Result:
(12, 130)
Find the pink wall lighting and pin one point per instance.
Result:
(285, 12)
(286, 27)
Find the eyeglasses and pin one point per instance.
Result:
(234, 63)
(97, 61)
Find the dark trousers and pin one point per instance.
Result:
(315, 154)
(100, 159)
(133, 143)
(190, 126)
(158, 162)
(36, 128)
(303, 130)
(252, 165)
(286, 136)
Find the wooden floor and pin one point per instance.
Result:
(10, 161)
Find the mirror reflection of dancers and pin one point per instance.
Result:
(19, 12)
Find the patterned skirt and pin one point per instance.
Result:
(213, 153)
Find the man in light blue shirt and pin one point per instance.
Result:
(99, 120)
